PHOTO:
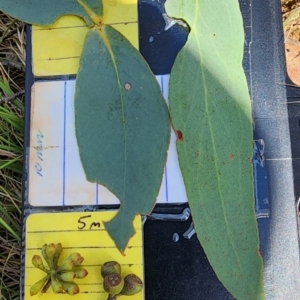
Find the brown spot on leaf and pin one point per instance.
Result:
(179, 135)
(231, 156)
(258, 252)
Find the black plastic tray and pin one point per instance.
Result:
(175, 267)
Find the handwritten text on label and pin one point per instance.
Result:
(39, 153)
(86, 221)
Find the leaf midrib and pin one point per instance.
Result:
(197, 11)
(94, 17)
(106, 42)
(100, 28)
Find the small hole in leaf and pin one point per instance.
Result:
(127, 86)
(179, 135)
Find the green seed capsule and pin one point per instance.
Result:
(56, 286)
(45, 255)
(38, 263)
(110, 267)
(38, 286)
(70, 262)
(77, 258)
(49, 251)
(80, 272)
(66, 265)
(57, 253)
(113, 283)
(67, 276)
(70, 287)
(132, 285)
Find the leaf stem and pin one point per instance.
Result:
(96, 19)
(47, 285)
(112, 297)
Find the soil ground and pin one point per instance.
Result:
(289, 7)
(291, 26)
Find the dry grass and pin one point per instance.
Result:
(12, 66)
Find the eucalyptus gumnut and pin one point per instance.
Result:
(67, 276)
(38, 286)
(56, 285)
(70, 262)
(80, 272)
(48, 253)
(113, 283)
(71, 288)
(110, 267)
(57, 253)
(132, 285)
(38, 263)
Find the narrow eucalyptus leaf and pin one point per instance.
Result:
(45, 12)
(211, 112)
(122, 126)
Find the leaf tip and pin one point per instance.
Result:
(120, 232)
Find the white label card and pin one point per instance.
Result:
(56, 177)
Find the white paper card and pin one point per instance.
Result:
(56, 177)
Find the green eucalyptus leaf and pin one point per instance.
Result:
(211, 112)
(45, 12)
(122, 126)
